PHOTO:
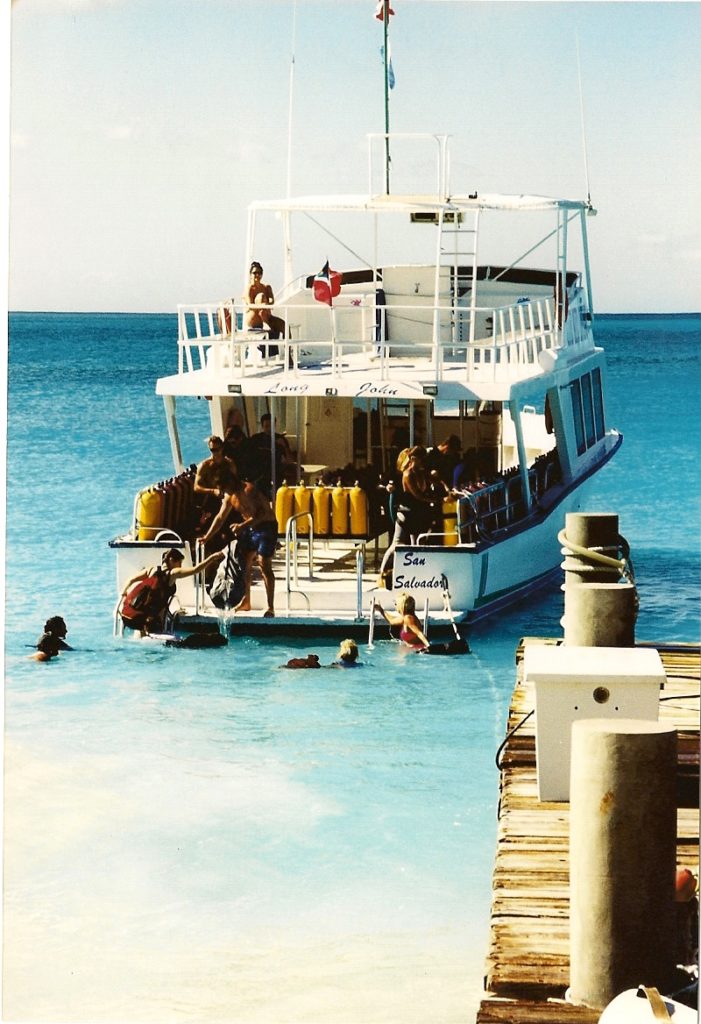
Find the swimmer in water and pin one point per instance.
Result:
(411, 633)
(47, 648)
(347, 656)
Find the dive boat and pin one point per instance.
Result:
(451, 343)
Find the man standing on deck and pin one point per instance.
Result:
(444, 458)
(259, 451)
(216, 476)
(257, 535)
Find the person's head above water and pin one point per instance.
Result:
(55, 625)
(348, 652)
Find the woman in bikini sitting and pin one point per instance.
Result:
(258, 298)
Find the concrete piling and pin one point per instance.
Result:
(600, 610)
(622, 857)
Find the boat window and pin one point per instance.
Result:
(588, 410)
(598, 404)
(576, 392)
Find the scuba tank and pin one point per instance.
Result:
(321, 503)
(303, 500)
(339, 511)
(284, 504)
(358, 502)
(450, 521)
(149, 513)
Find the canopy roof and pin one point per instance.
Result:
(416, 202)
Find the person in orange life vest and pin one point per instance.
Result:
(257, 533)
(411, 633)
(144, 610)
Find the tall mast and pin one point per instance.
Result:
(385, 28)
(383, 13)
(290, 100)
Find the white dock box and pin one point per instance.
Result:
(585, 682)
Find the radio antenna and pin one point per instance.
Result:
(581, 114)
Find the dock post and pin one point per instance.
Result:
(600, 610)
(622, 858)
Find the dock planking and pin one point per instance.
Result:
(527, 968)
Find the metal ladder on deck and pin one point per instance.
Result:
(464, 282)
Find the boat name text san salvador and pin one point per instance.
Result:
(412, 582)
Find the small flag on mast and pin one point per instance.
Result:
(327, 285)
(390, 69)
(380, 10)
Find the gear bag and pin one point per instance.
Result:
(228, 585)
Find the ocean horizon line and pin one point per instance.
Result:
(173, 312)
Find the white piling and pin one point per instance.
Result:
(622, 857)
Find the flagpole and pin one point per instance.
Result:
(385, 26)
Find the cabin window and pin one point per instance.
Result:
(598, 404)
(576, 392)
(588, 410)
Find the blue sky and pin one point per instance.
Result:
(142, 128)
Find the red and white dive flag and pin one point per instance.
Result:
(380, 10)
(327, 285)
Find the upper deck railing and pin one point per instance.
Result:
(508, 339)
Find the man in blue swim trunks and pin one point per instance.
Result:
(257, 535)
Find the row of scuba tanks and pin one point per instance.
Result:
(343, 511)
(336, 511)
(167, 505)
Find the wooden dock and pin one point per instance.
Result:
(527, 969)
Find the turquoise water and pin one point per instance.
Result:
(201, 835)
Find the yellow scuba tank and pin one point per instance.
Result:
(339, 510)
(358, 501)
(284, 504)
(149, 513)
(321, 504)
(303, 500)
(450, 521)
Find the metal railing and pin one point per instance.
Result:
(508, 340)
(359, 570)
(291, 546)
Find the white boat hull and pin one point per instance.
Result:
(482, 580)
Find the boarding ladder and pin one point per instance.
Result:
(292, 543)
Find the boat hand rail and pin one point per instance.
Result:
(291, 546)
(497, 505)
(422, 537)
(359, 571)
